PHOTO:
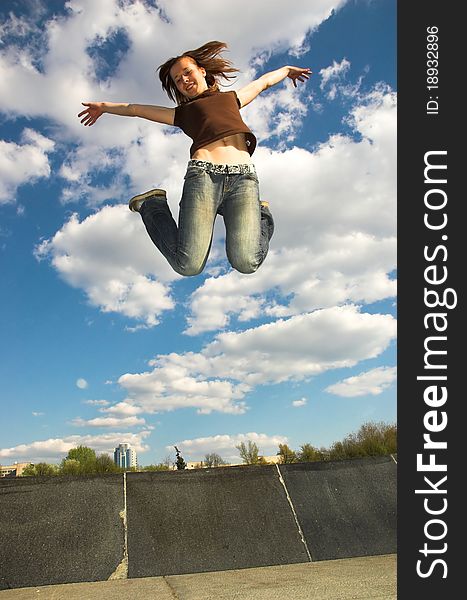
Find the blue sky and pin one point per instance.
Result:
(101, 342)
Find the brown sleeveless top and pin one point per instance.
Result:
(211, 116)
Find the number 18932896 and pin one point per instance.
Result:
(432, 57)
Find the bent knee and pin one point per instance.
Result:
(244, 265)
(189, 269)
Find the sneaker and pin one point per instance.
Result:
(135, 202)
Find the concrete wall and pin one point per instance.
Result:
(72, 529)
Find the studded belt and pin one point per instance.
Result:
(222, 169)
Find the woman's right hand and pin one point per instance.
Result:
(93, 111)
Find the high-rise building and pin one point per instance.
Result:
(125, 456)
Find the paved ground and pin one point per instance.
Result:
(367, 578)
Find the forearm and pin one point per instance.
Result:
(253, 89)
(116, 108)
(273, 77)
(160, 114)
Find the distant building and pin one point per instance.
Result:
(15, 470)
(125, 456)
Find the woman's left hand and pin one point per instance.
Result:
(298, 74)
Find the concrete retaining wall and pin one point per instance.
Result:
(70, 529)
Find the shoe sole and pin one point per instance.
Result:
(141, 197)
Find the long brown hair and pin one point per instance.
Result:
(207, 57)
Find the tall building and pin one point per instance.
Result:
(125, 456)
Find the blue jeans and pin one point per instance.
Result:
(211, 189)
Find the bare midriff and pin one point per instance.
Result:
(230, 150)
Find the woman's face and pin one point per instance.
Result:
(189, 77)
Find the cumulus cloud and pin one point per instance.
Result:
(279, 113)
(335, 71)
(122, 409)
(225, 445)
(110, 257)
(109, 422)
(220, 376)
(37, 414)
(54, 449)
(25, 162)
(173, 386)
(371, 382)
(332, 76)
(81, 383)
(298, 403)
(96, 402)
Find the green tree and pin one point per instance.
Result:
(29, 471)
(104, 464)
(249, 453)
(286, 454)
(82, 454)
(180, 463)
(213, 460)
(309, 453)
(41, 469)
(372, 439)
(70, 466)
(86, 458)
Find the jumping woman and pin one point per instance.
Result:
(220, 177)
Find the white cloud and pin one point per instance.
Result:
(110, 256)
(122, 409)
(37, 414)
(298, 403)
(322, 340)
(224, 445)
(219, 377)
(23, 163)
(174, 386)
(372, 382)
(279, 113)
(81, 383)
(54, 449)
(96, 402)
(336, 71)
(109, 422)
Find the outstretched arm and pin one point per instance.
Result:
(94, 110)
(253, 89)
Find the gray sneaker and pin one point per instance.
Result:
(135, 202)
